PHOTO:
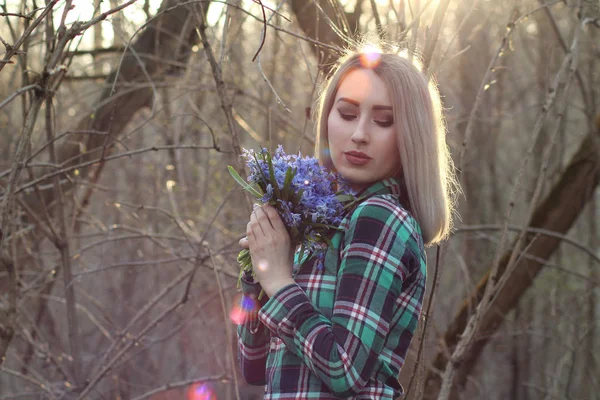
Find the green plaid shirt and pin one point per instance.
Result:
(343, 329)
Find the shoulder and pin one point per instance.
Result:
(385, 209)
(382, 221)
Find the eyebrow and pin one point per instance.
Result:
(356, 103)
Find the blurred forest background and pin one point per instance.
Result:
(119, 224)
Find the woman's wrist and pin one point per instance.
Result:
(273, 287)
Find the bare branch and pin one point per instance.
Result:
(12, 50)
(486, 79)
(227, 326)
(492, 284)
(19, 92)
(434, 33)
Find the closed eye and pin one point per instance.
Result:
(385, 124)
(347, 116)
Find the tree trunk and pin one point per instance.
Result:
(515, 366)
(590, 368)
(557, 213)
(166, 39)
(316, 23)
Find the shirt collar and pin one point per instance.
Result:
(391, 186)
(385, 186)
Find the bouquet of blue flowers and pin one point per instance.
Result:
(310, 200)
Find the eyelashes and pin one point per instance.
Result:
(385, 124)
(347, 117)
(382, 123)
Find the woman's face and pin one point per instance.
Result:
(362, 134)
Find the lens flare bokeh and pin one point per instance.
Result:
(248, 303)
(263, 265)
(201, 391)
(370, 57)
(244, 308)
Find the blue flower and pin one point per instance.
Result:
(307, 201)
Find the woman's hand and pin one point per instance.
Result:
(270, 249)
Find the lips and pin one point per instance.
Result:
(358, 154)
(357, 157)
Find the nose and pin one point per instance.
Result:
(361, 134)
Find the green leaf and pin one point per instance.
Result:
(356, 201)
(343, 198)
(297, 197)
(236, 176)
(245, 185)
(287, 184)
(260, 169)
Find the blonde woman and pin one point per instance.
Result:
(339, 324)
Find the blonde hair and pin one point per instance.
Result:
(427, 168)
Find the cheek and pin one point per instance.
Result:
(394, 162)
(392, 154)
(332, 125)
(333, 131)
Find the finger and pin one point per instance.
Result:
(263, 219)
(244, 242)
(274, 218)
(255, 227)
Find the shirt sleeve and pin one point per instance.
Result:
(374, 261)
(253, 336)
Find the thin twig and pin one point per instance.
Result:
(225, 103)
(380, 30)
(62, 171)
(6, 209)
(563, 44)
(103, 330)
(95, 52)
(62, 245)
(105, 368)
(279, 100)
(485, 81)
(18, 93)
(458, 30)
(434, 32)
(567, 66)
(474, 228)
(263, 34)
(227, 326)
(9, 14)
(426, 317)
(414, 23)
(464, 345)
(44, 387)
(14, 48)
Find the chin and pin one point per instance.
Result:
(356, 182)
(355, 176)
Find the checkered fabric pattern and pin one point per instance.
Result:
(343, 329)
